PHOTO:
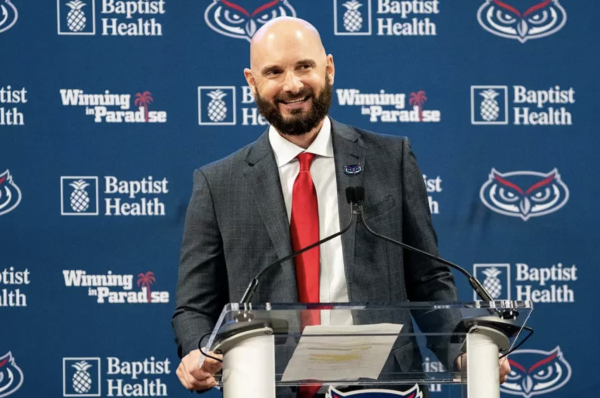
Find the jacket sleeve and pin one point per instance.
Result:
(202, 282)
(426, 279)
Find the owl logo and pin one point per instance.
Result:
(414, 392)
(11, 376)
(522, 20)
(536, 372)
(8, 15)
(10, 194)
(242, 20)
(524, 194)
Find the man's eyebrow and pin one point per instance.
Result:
(307, 61)
(270, 68)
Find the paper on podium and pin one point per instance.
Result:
(357, 355)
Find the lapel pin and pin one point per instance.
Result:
(353, 169)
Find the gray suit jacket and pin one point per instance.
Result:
(237, 224)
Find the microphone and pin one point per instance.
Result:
(359, 194)
(249, 293)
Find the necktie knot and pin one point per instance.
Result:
(305, 160)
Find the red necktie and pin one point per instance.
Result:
(304, 231)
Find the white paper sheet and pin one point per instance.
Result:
(347, 357)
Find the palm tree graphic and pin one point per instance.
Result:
(142, 100)
(418, 99)
(145, 280)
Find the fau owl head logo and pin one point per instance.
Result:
(523, 19)
(10, 194)
(8, 15)
(524, 193)
(414, 392)
(242, 18)
(11, 376)
(535, 372)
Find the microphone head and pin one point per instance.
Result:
(359, 194)
(350, 195)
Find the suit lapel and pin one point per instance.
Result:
(347, 150)
(263, 179)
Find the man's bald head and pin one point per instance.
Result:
(283, 35)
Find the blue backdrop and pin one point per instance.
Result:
(107, 107)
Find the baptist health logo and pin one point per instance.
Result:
(218, 106)
(392, 17)
(79, 196)
(78, 17)
(81, 377)
(8, 17)
(491, 105)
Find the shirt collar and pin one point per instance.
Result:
(285, 151)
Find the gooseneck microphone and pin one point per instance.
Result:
(359, 193)
(249, 293)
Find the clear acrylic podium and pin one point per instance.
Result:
(258, 341)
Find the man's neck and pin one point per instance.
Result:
(304, 140)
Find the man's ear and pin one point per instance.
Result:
(250, 79)
(330, 68)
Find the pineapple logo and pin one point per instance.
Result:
(216, 105)
(82, 381)
(349, 18)
(352, 18)
(217, 110)
(495, 279)
(79, 196)
(491, 282)
(81, 377)
(489, 105)
(490, 110)
(76, 17)
(80, 201)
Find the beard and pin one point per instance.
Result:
(300, 122)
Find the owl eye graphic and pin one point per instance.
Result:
(11, 376)
(524, 194)
(523, 20)
(8, 15)
(413, 392)
(10, 194)
(242, 18)
(535, 372)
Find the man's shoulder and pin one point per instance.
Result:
(228, 163)
(371, 138)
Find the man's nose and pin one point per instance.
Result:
(292, 83)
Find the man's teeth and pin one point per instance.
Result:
(296, 101)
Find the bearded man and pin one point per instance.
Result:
(286, 191)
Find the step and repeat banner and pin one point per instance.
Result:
(108, 106)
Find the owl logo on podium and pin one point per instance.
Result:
(524, 194)
(8, 15)
(536, 372)
(11, 376)
(522, 19)
(414, 392)
(242, 18)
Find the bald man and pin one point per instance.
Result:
(256, 206)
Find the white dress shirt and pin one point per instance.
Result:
(332, 286)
